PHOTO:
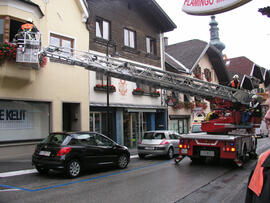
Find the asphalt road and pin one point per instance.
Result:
(154, 179)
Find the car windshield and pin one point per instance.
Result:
(55, 138)
(153, 136)
(196, 129)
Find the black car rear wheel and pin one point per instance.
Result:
(73, 168)
(42, 170)
(122, 161)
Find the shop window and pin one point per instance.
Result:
(98, 122)
(61, 41)
(129, 38)
(102, 28)
(9, 28)
(151, 47)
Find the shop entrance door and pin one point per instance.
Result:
(71, 117)
(134, 126)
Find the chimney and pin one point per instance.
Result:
(165, 41)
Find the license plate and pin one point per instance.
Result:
(151, 148)
(207, 153)
(184, 151)
(44, 153)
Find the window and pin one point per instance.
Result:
(102, 141)
(102, 28)
(151, 46)
(153, 136)
(145, 88)
(10, 27)
(197, 72)
(98, 122)
(129, 38)
(208, 75)
(65, 42)
(1, 30)
(101, 79)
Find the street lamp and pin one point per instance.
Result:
(115, 53)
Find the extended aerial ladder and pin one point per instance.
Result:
(147, 75)
(228, 101)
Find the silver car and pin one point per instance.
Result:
(159, 143)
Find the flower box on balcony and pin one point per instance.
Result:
(8, 52)
(103, 88)
(138, 91)
(155, 94)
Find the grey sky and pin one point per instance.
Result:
(244, 30)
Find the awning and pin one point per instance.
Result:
(128, 106)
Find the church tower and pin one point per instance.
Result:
(214, 35)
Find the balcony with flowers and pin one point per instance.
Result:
(103, 88)
(155, 93)
(138, 91)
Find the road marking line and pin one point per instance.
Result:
(29, 171)
(9, 190)
(17, 173)
(134, 156)
(84, 180)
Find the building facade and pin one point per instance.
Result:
(196, 59)
(130, 31)
(50, 97)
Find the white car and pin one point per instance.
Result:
(159, 143)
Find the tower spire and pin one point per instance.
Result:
(214, 35)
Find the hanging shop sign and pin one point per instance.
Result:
(211, 7)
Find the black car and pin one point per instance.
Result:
(74, 151)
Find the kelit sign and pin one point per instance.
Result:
(210, 7)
